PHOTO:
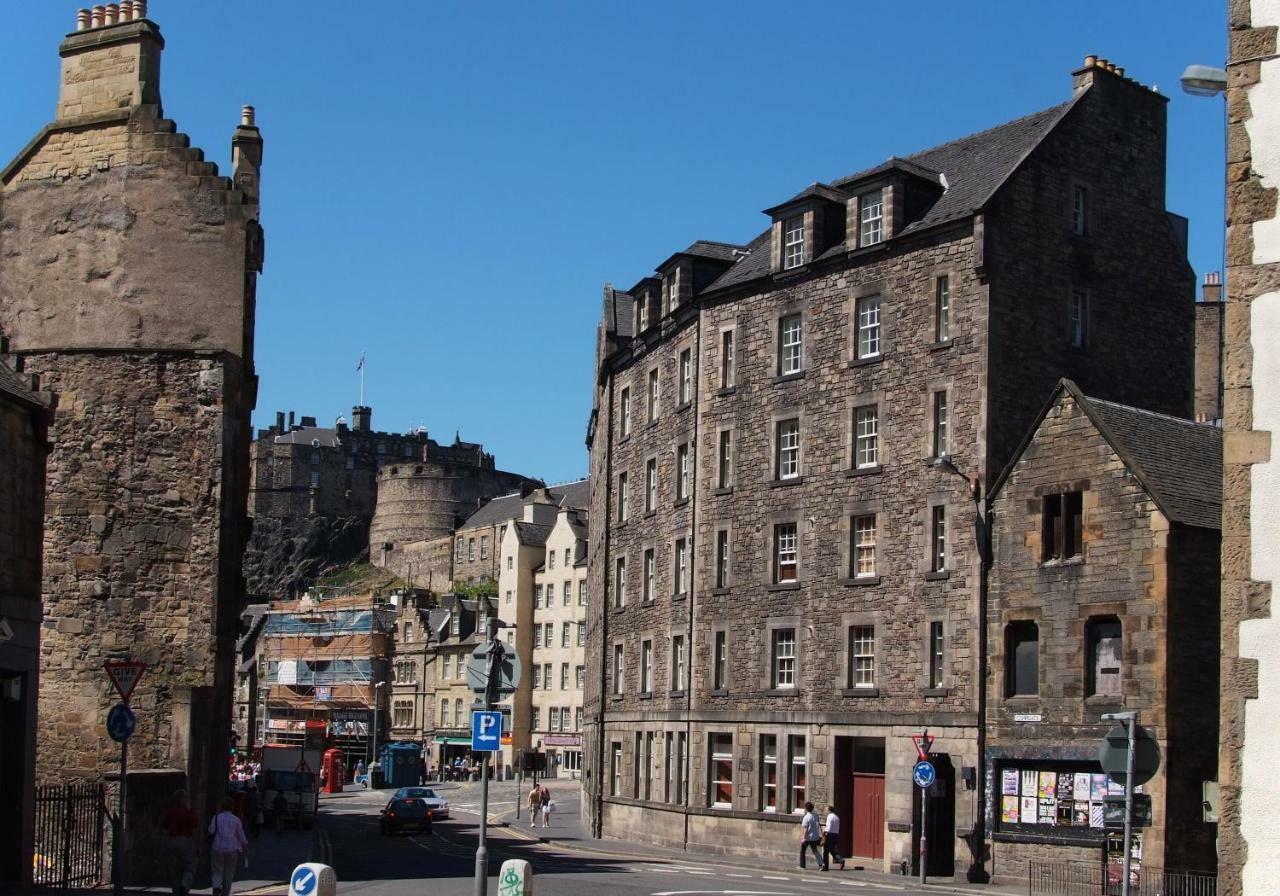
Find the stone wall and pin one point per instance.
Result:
(1208, 349)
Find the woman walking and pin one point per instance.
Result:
(228, 843)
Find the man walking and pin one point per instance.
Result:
(809, 835)
(831, 839)
(535, 804)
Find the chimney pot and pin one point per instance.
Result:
(82, 19)
(247, 116)
(1120, 70)
(139, 9)
(1090, 61)
(1111, 66)
(95, 17)
(113, 14)
(126, 11)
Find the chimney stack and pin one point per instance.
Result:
(110, 62)
(1212, 291)
(362, 418)
(279, 421)
(246, 154)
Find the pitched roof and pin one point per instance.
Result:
(308, 435)
(814, 190)
(532, 534)
(972, 168)
(13, 384)
(505, 508)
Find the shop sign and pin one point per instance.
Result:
(563, 740)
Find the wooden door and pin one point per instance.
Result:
(868, 816)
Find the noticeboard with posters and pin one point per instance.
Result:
(1053, 800)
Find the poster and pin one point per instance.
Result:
(1049, 811)
(1028, 807)
(1009, 806)
(1029, 782)
(1095, 815)
(1083, 785)
(1098, 788)
(1066, 785)
(1114, 789)
(1080, 815)
(1009, 782)
(1048, 785)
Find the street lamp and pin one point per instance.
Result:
(1204, 80)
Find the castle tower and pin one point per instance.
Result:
(127, 278)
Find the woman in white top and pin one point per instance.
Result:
(228, 843)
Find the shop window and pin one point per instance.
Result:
(1103, 635)
(1022, 659)
(1061, 528)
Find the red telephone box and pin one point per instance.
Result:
(335, 770)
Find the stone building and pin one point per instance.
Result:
(128, 269)
(413, 667)
(457, 627)
(1209, 320)
(1249, 836)
(1103, 597)
(23, 444)
(773, 440)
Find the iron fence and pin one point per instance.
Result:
(70, 835)
(1081, 879)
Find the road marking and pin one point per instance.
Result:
(770, 877)
(699, 872)
(724, 893)
(747, 876)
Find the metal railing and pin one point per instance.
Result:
(1080, 879)
(70, 835)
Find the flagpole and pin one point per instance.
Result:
(362, 357)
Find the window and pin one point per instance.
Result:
(940, 424)
(582, 593)
(537, 670)
(457, 550)
(790, 337)
(862, 656)
(624, 400)
(788, 461)
(535, 719)
(1104, 645)
(650, 485)
(869, 334)
(681, 570)
(315, 480)
(511, 637)
(510, 562)
(444, 713)
(624, 495)
(553, 720)
(537, 597)
(646, 667)
(942, 309)
(937, 648)
(547, 680)
(579, 676)
(551, 564)
(566, 595)
(564, 634)
(686, 376)
(408, 631)
(644, 768)
(866, 435)
(568, 558)
(677, 662)
(720, 773)
(582, 634)
(642, 314)
(448, 666)
(784, 553)
(1022, 659)
(618, 669)
(724, 474)
(722, 558)
(720, 661)
(726, 359)
(768, 773)
(471, 549)
(673, 289)
(862, 551)
(799, 768)
(938, 539)
(564, 669)
(315, 457)
(682, 767)
(646, 576)
(784, 658)
(620, 582)
(871, 217)
(1079, 208)
(1079, 318)
(1060, 532)
(682, 472)
(577, 717)
(615, 770)
(653, 395)
(455, 624)
(793, 242)
(484, 547)
(459, 718)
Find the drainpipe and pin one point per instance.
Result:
(693, 581)
(603, 602)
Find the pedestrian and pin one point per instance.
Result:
(809, 836)
(253, 810)
(179, 825)
(361, 777)
(535, 804)
(831, 839)
(279, 808)
(226, 847)
(544, 803)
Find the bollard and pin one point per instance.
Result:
(313, 879)
(515, 878)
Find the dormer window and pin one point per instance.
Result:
(793, 242)
(642, 313)
(870, 218)
(673, 289)
(455, 625)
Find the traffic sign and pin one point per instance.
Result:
(486, 731)
(124, 675)
(121, 722)
(1114, 750)
(478, 671)
(313, 879)
(924, 774)
(923, 744)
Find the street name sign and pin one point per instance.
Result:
(486, 731)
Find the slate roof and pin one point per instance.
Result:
(619, 311)
(305, 435)
(821, 191)
(973, 167)
(13, 385)
(1179, 462)
(507, 507)
(532, 534)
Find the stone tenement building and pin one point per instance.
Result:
(1249, 848)
(128, 271)
(23, 443)
(774, 442)
(1103, 598)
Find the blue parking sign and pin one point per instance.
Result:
(486, 731)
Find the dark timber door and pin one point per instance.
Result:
(868, 816)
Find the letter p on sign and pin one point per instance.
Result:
(486, 730)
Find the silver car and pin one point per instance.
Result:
(438, 805)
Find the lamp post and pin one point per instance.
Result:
(373, 733)
(1129, 719)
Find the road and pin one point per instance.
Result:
(443, 863)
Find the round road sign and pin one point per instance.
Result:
(121, 722)
(1113, 754)
(923, 774)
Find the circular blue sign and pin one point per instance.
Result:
(121, 722)
(923, 774)
(303, 880)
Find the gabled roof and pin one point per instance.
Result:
(813, 191)
(14, 385)
(619, 314)
(307, 435)
(505, 508)
(1177, 461)
(973, 168)
(532, 534)
(714, 251)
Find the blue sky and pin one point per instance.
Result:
(448, 185)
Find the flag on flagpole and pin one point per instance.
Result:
(360, 366)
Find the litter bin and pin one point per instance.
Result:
(376, 779)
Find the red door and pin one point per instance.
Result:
(868, 816)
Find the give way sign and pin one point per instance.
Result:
(124, 675)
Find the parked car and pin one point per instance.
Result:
(438, 805)
(401, 813)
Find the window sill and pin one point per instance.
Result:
(645, 695)
(860, 692)
(935, 692)
(860, 581)
(783, 692)
(622, 524)
(941, 345)
(726, 490)
(1103, 701)
(680, 596)
(680, 502)
(718, 692)
(1022, 700)
(939, 575)
(650, 424)
(650, 513)
(783, 586)
(718, 592)
(865, 471)
(1055, 563)
(626, 438)
(684, 406)
(678, 693)
(616, 698)
(619, 610)
(726, 390)
(867, 362)
(784, 483)
(787, 377)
